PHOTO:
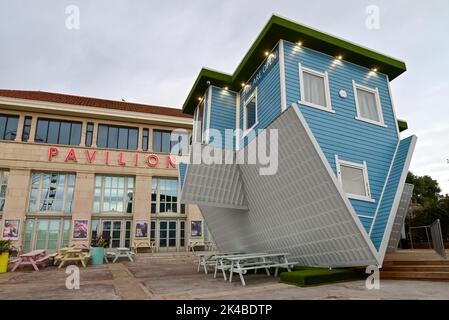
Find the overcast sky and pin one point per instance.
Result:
(151, 51)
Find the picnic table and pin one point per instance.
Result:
(120, 253)
(242, 263)
(207, 259)
(33, 258)
(73, 255)
(223, 265)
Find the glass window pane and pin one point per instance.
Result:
(157, 143)
(145, 139)
(314, 91)
(75, 136)
(3, 120)
(133, 139)
(11, 128)
(41, 131)
(367, 105)
(112, 137)
(353, 180)
(166, 142)
(53, 132)
(122, 138)
(102, 136)
(64, 133)
(251, 113)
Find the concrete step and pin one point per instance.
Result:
(422, 268)
(415, 275)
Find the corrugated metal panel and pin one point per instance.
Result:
(223, 115)
(398, 224)
(340, 133)
(392, 191)
(215, 184)
(299, 210)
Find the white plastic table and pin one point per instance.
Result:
(121, 253)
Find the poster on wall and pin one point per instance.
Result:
(80, 229)
(11, 229)
(196, 229)
(141, 228)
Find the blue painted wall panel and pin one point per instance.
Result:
(223, 116)
(182, 167)
(390, 192)
(266, 80)
(340, 133)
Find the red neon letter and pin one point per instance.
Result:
(171, 162)
(120, 160)
(107, 157)
(90, 157)
(71, 156)
(136, 160)
(52, 152)
(156, 160)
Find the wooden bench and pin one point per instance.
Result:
(144, 244)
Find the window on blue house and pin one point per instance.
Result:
(315, 89)
(368, 104)
(199, 123)
(354, 179)
(250, 112)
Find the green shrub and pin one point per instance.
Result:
(303, 276)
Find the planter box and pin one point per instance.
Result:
(4, 262)
(97, 255)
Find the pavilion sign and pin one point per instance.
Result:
(106, 157)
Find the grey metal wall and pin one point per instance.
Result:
(398, 224)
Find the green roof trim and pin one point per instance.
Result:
(279, 28)
(402, 125)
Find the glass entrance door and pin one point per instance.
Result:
(167, 234)
(112, 231)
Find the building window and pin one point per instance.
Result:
(166, 142)
(354, 179)
(145, 135)
(153, 231)
(116, 233)
(51, 192)
(367, 103)
(89, 133)
(8, 127)
(113, 194)
(250, 112)
(46, 234)
(315, 89)
(182, 233)
(117, 137)
(164, 196)
(26, 128)
(3, 187)
(58, 132)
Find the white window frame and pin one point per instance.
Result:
(325, 77)
(374, 91)
(364, 167)
(245, 113)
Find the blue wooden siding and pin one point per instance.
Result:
(268, 86)
(390, 192)
(223, 116)
(340, 133)
(182, 167)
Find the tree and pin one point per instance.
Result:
(426, 192)
(427, 204)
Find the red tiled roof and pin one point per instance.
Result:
(92, 102)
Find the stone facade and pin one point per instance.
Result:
(22, 159)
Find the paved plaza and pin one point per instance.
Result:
(174, 276)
